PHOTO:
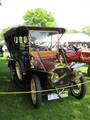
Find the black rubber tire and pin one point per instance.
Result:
(13, 74)
(88, 70)
(19, 70)
(14, 77)
(82, 92)
(38, 97)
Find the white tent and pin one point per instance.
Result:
(75, 37)
(67, 37)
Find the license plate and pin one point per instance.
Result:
(64, 94)
(53, 96)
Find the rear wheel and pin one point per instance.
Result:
(35, 86)
(79, 90)
(13, 74)
(18, 70)
(16, 74)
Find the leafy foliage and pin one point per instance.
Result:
(86, 30)
(72, 31)
(2, 32)
(39, 17)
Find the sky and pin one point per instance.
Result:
(71, 14)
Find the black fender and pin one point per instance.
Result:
(11, 63)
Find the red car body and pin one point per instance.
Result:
(79, 56)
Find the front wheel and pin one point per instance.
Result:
(79, 90)
(35, 86)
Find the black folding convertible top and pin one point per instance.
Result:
(24, 30)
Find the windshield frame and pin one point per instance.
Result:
(57, 33)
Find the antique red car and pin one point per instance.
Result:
(78, 55)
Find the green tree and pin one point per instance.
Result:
(72, 31)
(39, 17)
(1, 36)
(2, 32)
(86, 30)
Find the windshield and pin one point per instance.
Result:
(44, 40)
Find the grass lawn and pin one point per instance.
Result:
(19, 107)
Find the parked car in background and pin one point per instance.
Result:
(79, 55)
